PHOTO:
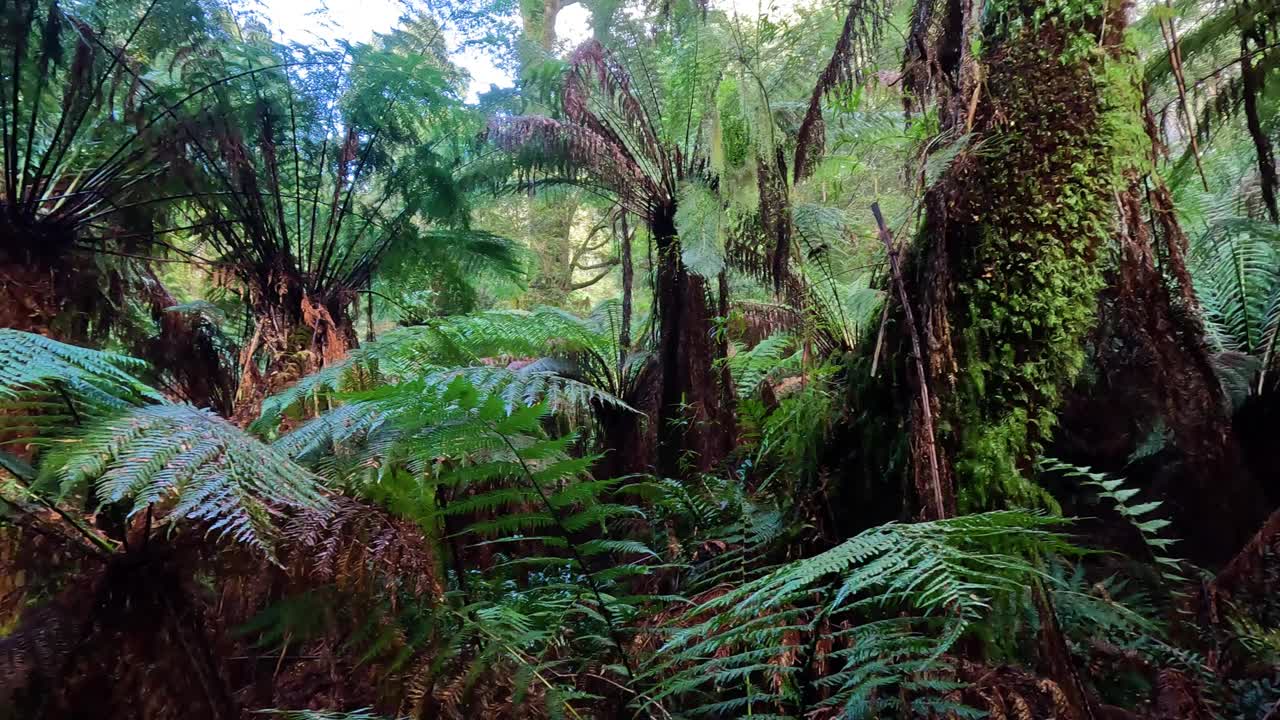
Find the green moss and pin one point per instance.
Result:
(1033, 266)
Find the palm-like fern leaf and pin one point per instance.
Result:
(576, 366)
(98, 381)
(768, 358)
(890, 601)
(48, 387)
(187, 464)
(1236, 267)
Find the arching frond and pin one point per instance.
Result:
(542, 147)
(1236, 267)
(887, 603)
(370, 432)
(47, 388)
(771, 356)
(546, 355)
(863, 26)
(98, 381)
(186, 464)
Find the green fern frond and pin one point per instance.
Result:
(200, 307)
(586, 352)
(1140, 515)
(186, 464)
(364, 714)
(33, 366)
(931, 582)
(767, 359)
(1235, 267)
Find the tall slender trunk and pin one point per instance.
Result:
(1251, 88)
(695, 424)
(628, 280)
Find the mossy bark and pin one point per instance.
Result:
(1008, 269)
(1040, 224)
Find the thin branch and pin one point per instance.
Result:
(926, 407)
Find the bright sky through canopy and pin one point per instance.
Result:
(356, 21)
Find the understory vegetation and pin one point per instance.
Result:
(848, 359)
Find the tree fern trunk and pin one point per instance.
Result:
(1251, 87)
(1163, 373)
(295, 336)
(695, 425)
(186, 351)
(62, 295)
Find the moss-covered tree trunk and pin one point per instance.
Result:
(1009, 265)
(1044, 207)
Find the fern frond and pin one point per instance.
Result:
(365, 714)
(187, 464)
(1237, 281)
(931, 582)
(768, 358)
(33, 366)
(1140, 515)
(578, 364)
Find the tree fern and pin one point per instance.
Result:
(1235, 271)
(560, 595)
(573, 363)
(768, 358)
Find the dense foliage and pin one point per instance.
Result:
(856, 359)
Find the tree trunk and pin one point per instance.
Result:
(1251, 87)
(64, 298)
(188, 351)
(295, 335)
(551, 219)
(695, 423)
(1155, 358)
(628, 280)
(1007, 275)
